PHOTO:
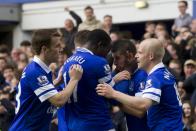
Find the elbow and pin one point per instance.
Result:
(142, 112)
(58, 103)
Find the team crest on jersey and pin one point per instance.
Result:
(142, 86)
(148, 84)
(131, 86)
(42, 80)
(107, 69)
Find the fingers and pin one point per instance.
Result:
(77, 67)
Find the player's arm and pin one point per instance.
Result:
(133, 105)
(62, 97)
(59, 79)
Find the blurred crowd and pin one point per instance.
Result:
(180, 57)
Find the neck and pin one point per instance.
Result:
(151, 65)
(41, 57)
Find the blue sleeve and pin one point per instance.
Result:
(152, 89)
(122, 86)
(104, 73)
(42, 85)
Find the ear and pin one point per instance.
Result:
(151, 56)
(130, 56)
(43, 49)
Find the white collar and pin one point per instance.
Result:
(82, 49)
(42, 64)
(160, 65)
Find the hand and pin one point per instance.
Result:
(53, 67)
(75, 72)
(66, 9)
(123, 75)
(105, 90)
(59, 77)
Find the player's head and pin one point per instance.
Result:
(47, 44)
(123, 52)
(81, 38)
(99, 42)
(150, 52)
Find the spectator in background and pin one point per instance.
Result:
(189, 68)
(25, 45)
(193, 27)
(115, 36)
(150, 30)
(3, 63)
(160, 27)
(70, 29)
(8, 74)
(6, 111)
(91, 22)
(107, 24)
(188, 116)
(176, 67)
(184, 19)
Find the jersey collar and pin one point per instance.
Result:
(160, 65)
(42, 64)
(82, 49)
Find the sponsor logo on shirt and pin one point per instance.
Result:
(42, 80)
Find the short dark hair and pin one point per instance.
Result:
(107, 16)
(25, 43)
(81, 37)
(88, 8)
(42, 38)
(4, 49)
(183, 1)
(8, 67)
(99, 42)
(98, 36)
(123, 46)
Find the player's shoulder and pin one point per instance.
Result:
(33, 70)
(99, 60)
(140, 73)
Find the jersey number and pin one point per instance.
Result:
(18, 98)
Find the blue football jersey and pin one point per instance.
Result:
(33, 111)
(134, 87)
(86, 110)
(166, 112)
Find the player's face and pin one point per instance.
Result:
(141, 57)
(53, 52)
(119, 61)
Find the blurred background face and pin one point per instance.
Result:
(89, 14)
(186, 109)
(8, 74)
(68, 24)
(175, 67)
(114, 37)
(150, 28)
(182, 7)
(107, 21)
(189, 70)
(193, 26)
(2, 64)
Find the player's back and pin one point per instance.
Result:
(31, 114)
(86, 110)
(166, 115)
